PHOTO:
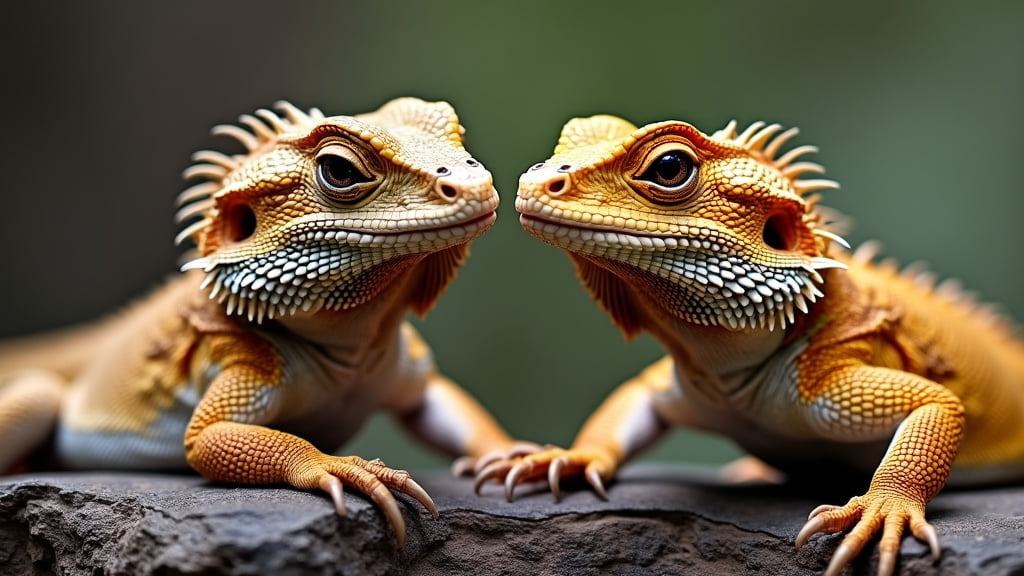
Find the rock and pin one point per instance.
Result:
(658, 520)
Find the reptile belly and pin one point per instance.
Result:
(158, 446)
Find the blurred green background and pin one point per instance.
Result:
(918, 108)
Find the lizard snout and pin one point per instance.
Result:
(467, 183)
(543, 179)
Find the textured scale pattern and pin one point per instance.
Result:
(309, 259)
(809, 357)
(286, 330)
(711, 275)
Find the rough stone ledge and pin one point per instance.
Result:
(659, 520)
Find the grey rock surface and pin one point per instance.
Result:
(658, 520)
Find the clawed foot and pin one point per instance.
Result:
(867, 514)
(470, 466)
(376, 480)
(531, 463)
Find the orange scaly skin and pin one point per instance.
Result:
(287, 329)
(805, 355)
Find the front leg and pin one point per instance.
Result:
(855, 400)
(453, 422)
(444, 416)
(624, 424)
(226, 439)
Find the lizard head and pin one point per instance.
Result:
(716, 230)
(322, 213)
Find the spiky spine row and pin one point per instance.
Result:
(214, 167)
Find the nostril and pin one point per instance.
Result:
(448, 191)
(556, 186)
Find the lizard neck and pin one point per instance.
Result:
(716, 360)
(352, 337)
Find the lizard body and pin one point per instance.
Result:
(287, 329)
(805, 355)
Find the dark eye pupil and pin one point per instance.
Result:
(669, 170)
(339, 173)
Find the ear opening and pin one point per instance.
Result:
(238, 223)
(780, 232)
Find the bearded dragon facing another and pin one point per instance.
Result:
(803, 354)
(286, 331)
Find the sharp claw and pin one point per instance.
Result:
(843, 556)
(520, 450)
(594, 479)
(413, 489)
(463, 466)
(382, 496)
(812, 527)
(493, 470)
(870, 520)
(821, 509)
(555, 475)
(336, 489)
(513, 477)
(486, 460)
(886, 562)
(477, 465)
(928, 534)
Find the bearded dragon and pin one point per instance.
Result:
(287, 329)
(804, 354)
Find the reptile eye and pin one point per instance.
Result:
(341, 179)
(668, 175)
(338, 173)
(670, 170)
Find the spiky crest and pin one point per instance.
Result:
(765, 141)
(259, 131)
(950, 290)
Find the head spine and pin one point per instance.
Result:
(264, 129)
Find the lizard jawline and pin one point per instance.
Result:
(699, 280)
(320, 269)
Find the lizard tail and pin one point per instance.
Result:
(63, 351)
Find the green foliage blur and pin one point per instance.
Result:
(918, 109)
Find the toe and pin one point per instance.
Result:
(925, 532)
(463, 466)
(515, 475)
(889, 545)
(842, 557)
(495, 470)
(821, 509)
